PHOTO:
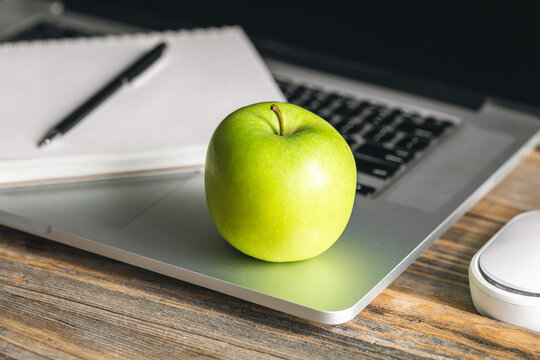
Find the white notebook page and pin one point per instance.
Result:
(173, 108)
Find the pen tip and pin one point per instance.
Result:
(48, 138)
(44, 141)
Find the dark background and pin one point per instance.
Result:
(438, 48)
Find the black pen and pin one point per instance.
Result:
(125, 77)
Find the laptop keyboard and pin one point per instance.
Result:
(385, 140)
(49, 30)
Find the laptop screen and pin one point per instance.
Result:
(488, 48)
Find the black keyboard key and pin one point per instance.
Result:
(326, 99)
(355, 107)
(313, 106)
(303, 99)
(436, 127)
(398, 156)
(336, 120)
(410, 127)
(428, 127)
(311, 92)
(361, 118)
(325, 113)
(407, 126)
(322, 96)
(372, 134)
(385, 137)
(333, 109)
(380, 134)
(395, 113)
(343, 110)
(347, 107)
(434, 131)
(413, 143)
(438, 123)
(364, 189)
(46, 30)
(355, 128)
(373, 119)
(377, 109)
(378, 169)
(338, 106)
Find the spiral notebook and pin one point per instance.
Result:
(164, 120)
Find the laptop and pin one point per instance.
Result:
(437, 106)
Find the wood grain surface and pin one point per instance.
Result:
(57, 302)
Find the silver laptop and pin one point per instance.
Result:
(425, 153)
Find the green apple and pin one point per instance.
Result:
(280, 182)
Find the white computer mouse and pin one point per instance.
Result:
(504, 275)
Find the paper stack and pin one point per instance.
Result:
(164, 120)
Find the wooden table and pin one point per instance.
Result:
(60, 302)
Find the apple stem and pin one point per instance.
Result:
(275, 109)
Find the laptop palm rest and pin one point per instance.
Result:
(113, 205)
(163, 225)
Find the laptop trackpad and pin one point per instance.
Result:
(112, 203)
(435, 180)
